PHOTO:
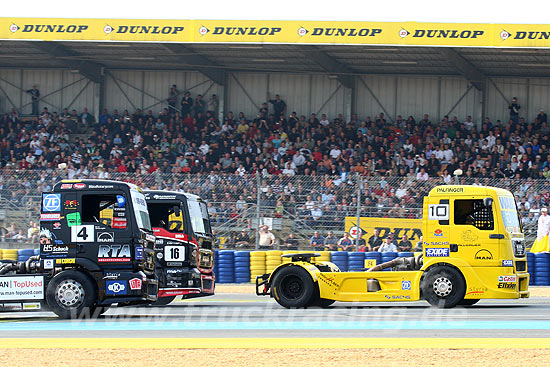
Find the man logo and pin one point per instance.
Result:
(203, 30)
(484, 255)
(302, 31)
(106, 237)
(403, 33)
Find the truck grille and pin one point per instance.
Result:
(519, 248)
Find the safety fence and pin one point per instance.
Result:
(244, 266)
(287, 204)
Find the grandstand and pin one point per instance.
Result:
(274, 130)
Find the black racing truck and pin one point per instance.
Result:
(96, 249)
(183, 246)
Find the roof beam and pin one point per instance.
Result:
(466, 68)
(188, 56)
(59, 52)
(329, 64)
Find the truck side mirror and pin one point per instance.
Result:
(177, 210)
(487, 202)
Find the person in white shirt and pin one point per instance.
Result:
(335, 152)
(387, 245)
(324, 122)
(543, 229)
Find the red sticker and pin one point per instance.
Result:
(135, 284)
(79, 185)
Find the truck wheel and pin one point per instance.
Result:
(468, 302)
(163, 301)
(323, 302)
(293, 287)
(443, 287)
(71, 294)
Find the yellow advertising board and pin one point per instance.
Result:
(399, 226)
(278, 32)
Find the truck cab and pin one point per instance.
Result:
(96, 249)
(473, 249)
(183, 247)
(477, 229)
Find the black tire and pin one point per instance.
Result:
(323, 302)
(163, 301)
(72, 294)
(292, 287)
(468, 302)
(443, 287)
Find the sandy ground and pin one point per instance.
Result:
(263, 357)
(250, 289)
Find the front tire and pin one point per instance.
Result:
(163, 301)
(468, 302)
(71, 294)
(292, 287)
(443, 287)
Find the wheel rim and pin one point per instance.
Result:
(292, 287)
(443, 287)
(69, 293)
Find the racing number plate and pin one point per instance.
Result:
(174, 253)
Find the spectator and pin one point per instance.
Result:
(291, 243)
(514, 110)
(186, 104)
(242, 239)
(331, 242)
(375, 241)
(419, 245)
(279, 106)
(317, 241)
(173, 99)
(267, 239)
(405, 245)
(388, 245)
(543, 230)
(346, 243)
(35, 99)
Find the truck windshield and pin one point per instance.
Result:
(199, 217)
(140, 210)
(510, 216)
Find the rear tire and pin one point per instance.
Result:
(468, 302)
(163, 301)
(71, 294)
(292, 287)
(443, 287)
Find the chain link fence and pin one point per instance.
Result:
(288, 204)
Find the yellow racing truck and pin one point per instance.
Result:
(473, 249)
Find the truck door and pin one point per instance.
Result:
(473, 231)
(103, 230)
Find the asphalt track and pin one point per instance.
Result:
(246, 321)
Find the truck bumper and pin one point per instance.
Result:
(187, 283)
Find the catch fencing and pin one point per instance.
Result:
(287, 204)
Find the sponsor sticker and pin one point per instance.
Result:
(116, 287)
(66, 186)
(56, 225)
(32, 306)
(51, 202)
(507, 285)
(438, 233)
(50, 216)
(121, 201)
(507, 278)
(70, 204)
(139, 253)
(21, 287)
(406, 285)
(135, 284)
(105, 237)
(65, 261)
(483, 255)
(113, 253)
(507, 263)
(48, 264)
(437, 252)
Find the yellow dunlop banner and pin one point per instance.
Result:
(285, 32)
(399, 226)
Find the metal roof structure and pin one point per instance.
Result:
(474, 64)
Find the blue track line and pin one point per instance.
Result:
(123, 325)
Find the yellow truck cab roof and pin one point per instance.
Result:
(447, 190)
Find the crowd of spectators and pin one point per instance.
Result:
(307, 162)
